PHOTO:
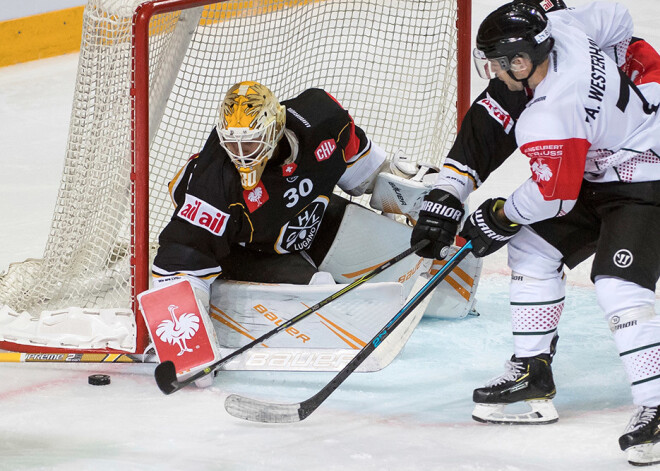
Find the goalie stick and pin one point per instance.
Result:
(259, 411)
(165, 372)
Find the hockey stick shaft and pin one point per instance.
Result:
(70, 357)
(259, 411)
(165, 372)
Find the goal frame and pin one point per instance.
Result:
(140, 125)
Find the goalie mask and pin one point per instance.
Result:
(250, 124)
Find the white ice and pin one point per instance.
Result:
(413, 415)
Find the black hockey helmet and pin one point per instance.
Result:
(515, 29)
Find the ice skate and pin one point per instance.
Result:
(526, 381)
(641, 437)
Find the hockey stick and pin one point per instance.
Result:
(259, 411)
(70, 357)
(165, 372)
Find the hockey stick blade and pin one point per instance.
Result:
(165, 372)
(269, 412)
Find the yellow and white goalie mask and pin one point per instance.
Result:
(250, 124)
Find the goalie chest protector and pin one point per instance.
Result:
(282, 214)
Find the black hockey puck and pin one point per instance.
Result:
(98, 380)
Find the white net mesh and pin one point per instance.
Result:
(391, 63)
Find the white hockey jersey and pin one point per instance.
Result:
(586, 120)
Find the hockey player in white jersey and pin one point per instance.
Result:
(593, 140)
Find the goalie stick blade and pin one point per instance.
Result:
(165, 374)
(266, 412)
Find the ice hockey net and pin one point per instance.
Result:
(150, 78)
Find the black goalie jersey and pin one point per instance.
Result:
(321, 148)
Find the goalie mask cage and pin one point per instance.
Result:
(151, 76)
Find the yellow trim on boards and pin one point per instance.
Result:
(60, 32)
(40, 36)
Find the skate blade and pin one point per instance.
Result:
(643, 455)
(542, 412)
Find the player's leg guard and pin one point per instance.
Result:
(180, 327)
(631, 316)
(536, 307)
(630, 312)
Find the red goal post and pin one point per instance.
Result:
(150, 78)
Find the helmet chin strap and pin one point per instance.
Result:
(525, 81)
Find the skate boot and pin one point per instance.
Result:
(640, 436)
(527, 381)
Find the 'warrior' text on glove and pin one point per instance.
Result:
(439, 217)
(486, 231)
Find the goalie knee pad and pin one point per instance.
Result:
(536, 307)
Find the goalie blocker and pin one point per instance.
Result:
(180, 327)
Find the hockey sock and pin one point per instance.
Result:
(630, 313)
(536, 307)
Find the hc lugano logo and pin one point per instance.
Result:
(178, 330)
(325, 149)
(623, 258)
(299, 232)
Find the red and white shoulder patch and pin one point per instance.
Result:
(256, 197)
(325, 149)
(496, 112)
(557, 166)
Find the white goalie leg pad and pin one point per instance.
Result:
(454, 298)
(180, 327)
(636, 330)
(536, 307)
(364, 241)
(539, 412)
(324, 341)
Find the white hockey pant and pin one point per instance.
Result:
(536, 294)
(630, 312)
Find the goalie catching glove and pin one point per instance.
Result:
(439, 217)
(487, 230)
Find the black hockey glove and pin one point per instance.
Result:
(439, 217)
(486, 231)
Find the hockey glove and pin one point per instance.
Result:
(439, 217)
(488, 232)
